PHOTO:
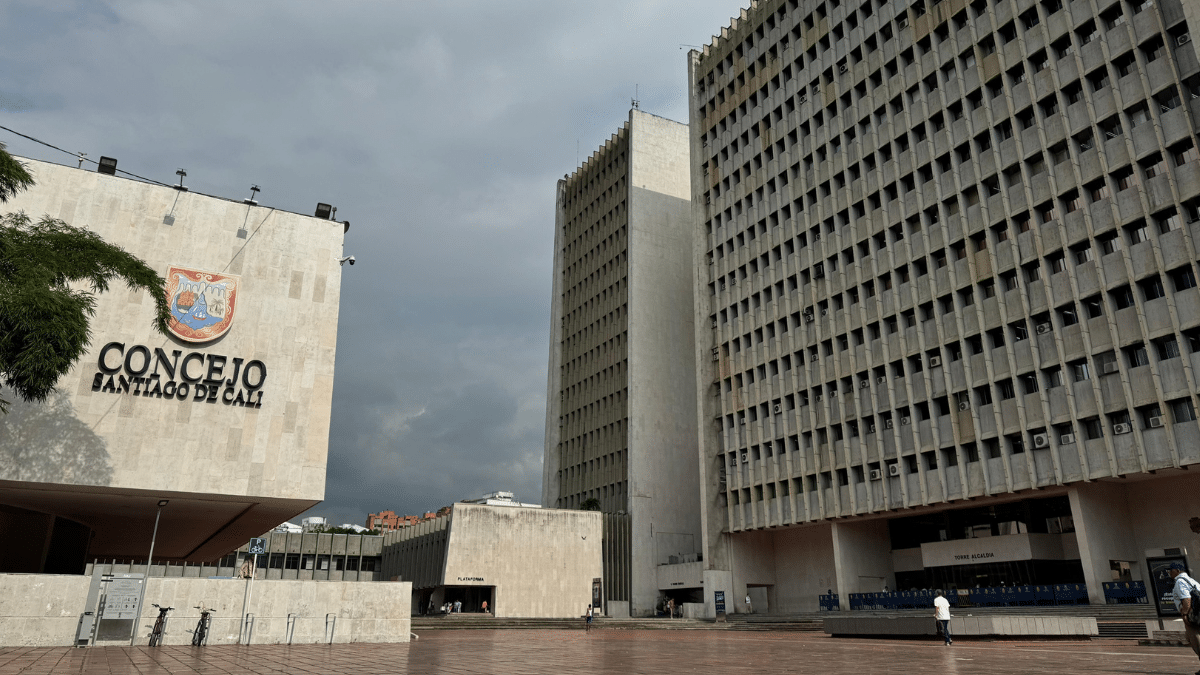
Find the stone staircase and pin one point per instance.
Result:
(1114, 621)
(487, 621)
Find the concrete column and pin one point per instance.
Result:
(1104, 532)
(862, 555)
(717, 580)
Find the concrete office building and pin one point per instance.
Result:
(227, 419)
(947, 316)
(620, 419)
(524, 562)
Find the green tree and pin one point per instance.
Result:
(591, 504)
(50, 273)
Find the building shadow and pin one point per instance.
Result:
(47, 443)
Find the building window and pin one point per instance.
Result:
(1135, 355)
(1167, 348)
(1079, 370)
(1182, 410)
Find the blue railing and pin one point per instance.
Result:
(1125, 593)
(996, 596)
(829, 603)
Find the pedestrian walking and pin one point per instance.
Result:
(941, 612)
(588, 625)
(484, 610)
(1182, 594)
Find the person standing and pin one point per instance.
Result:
(1182, 594)
(588, 626)
(941, 612)
(749, 607)
(484, 610)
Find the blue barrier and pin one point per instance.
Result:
(828, 603)
(1125, 593)
(995, 596)
(1070, 594)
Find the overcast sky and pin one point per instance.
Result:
(437, 128)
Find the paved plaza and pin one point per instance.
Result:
(653, 652)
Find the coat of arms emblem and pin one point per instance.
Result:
(202, 303)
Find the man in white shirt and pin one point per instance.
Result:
(941, 612)
(1182, 594)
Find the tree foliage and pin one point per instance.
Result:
(14, 177)
(50, 273)
(590, 504)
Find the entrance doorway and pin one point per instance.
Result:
(761, 597)
(472, 597)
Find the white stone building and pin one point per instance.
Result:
(232, 433)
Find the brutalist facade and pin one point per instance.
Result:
(948, 323)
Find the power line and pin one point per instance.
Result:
(82, 158)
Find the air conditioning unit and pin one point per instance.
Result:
(965, 405)
(905, 420)
(935, 361)
(716, 352)
(1183, 39)
(825, 312)
(870, 428)
(1111, 367)
(778, 409)
(893, 469)
(818, 398)
(1156, 422)
(803, 98)
(1121, 428)
(887, 424)
(743, 421)
(745, 458)
(1043, 328)
(843, 68)
(833, 392)
(864, 384)
(714, 322)
(817, 236)
(819, 270)
(881, 380)
(1066, 439)
(1041, 441)
(876, 474)
(809, 318)
(902, 23)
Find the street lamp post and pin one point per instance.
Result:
(153, 537)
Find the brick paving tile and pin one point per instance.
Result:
(554, 652)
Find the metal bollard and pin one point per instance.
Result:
(291, 627)
(247, 633)
(330, 626)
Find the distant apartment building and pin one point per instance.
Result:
(946, 297)
(386, 521)
(621, 406)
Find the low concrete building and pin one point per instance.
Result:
(287, 555)
(524, 562)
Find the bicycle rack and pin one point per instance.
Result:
(330, 627)
(291, 627)
(247, 633)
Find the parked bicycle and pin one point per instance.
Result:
(160, 626)
(200, 635)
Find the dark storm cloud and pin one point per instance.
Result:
(439, 129)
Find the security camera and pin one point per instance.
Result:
(347, 259)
